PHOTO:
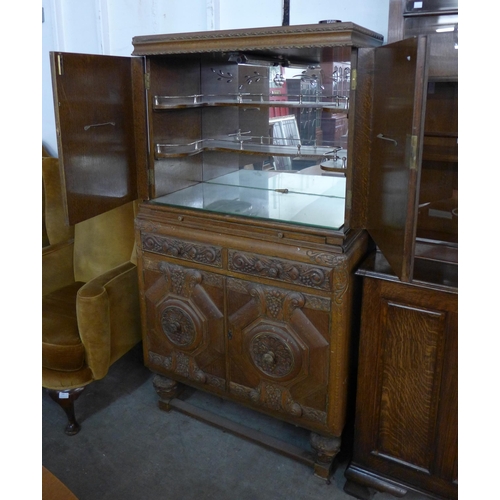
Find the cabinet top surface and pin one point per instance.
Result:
(298, 36)
(428, 274)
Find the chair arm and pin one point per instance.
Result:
(57, 266)
(108, 317)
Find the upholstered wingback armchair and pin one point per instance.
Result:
(90, 302)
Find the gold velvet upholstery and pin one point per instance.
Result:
(54, 226)
(90, 301)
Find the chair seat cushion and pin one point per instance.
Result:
(62, 348)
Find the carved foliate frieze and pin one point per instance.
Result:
(275, 302)
(176, 274)
(340, 281)
(279, 269)
(311, 301)
(180, 280)
(195, 252)
(340, 271)
(314, 414)
(324, 258)
(318, 35)
(185, 366)
(277, 398)
(211, 279)
(147, 226)
(158, 360)
(318, 303)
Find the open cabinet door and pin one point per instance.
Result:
(98, 139)
(397, 122)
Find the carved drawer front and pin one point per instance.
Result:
(201, 253)
(309, 275)
(185, 323)
(278, 350)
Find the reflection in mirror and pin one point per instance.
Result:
(271, 138)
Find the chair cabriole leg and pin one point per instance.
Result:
(66, 400)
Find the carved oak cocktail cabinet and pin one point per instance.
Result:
(250, 152)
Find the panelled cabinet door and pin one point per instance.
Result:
(407, 413)
(399, 91)
(278, 350)
(184, 313)
(98, 137)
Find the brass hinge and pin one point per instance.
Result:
(151, 177)
(147, 80)
(59, 64)
(354, 79)
(413, 152)
(348, 199)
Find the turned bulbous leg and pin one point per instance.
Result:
(326, 450)
(66, 400)
(167, 389)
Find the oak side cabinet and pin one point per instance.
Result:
(407, 404)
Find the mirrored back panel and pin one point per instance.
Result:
(253, 133)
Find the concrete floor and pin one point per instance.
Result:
(128, 449)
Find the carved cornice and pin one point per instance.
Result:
(275, 37)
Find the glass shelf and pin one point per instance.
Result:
(247, 144)
(328, 102)
(289, 197)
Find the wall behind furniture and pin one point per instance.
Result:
(108, 26)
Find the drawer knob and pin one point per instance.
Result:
(268, 358)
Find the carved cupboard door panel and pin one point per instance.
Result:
(185, 322)
(278, 350)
